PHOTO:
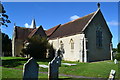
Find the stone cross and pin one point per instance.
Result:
(30, 70)
(53, 69)
(112, 75)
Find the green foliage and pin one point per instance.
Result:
(4, 17)
(51, 54)
(114, 50)
(118, 47)
(117, 56)
(6, 45)
(36, 46)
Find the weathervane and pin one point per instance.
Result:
(98, 4)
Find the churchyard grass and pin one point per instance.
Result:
(95, 69)
(17, 73)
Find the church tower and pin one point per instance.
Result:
(33, 24)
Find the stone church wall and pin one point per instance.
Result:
(70, 54)
(98, 53)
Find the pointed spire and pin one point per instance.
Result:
(98, 4)
(33, 24)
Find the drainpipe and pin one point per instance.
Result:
(111, 46)
(85, 51)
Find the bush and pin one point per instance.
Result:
(36, 46)
(117, 56)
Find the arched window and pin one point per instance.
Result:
(61, 45)
(99, 36)
(72, 44)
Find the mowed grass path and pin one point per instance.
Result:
(95, 69)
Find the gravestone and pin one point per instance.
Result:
(53, 69)
(30, 70)
(112, 75)
(115, 61)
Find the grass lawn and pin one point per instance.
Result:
(16, 73)
(96, 69)
(13, 72)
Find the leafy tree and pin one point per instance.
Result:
(118, 48)
(3, 16)
(36, 46)
(117, 55)
(6, 45)
(51, 54)
(114, 50)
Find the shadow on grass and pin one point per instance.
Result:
(16, 62)
(43, 60)
(13, 62)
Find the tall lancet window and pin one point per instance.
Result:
(72, 44)
(61, 45)
(99, 36)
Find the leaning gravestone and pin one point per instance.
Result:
(112, 75)
(53, 69)
(30, 70)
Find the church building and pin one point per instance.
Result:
(85, 39)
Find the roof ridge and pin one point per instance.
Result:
(78, 19)
(32, 32)
(55, 29)
(72, 27)
(23, 27)
(91, 18)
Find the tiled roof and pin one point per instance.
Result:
(32, 33)
(72, 27)
(52, 30)
(22, 33)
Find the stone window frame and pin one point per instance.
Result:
(99, 36)
(71, 44)
(61, 45)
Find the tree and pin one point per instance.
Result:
(117, 55)
(114, 50)
(3, 16)
(6, 45)
(36, 46)
(118, 48)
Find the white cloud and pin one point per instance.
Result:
(45, 29)
(27, 25)
(113, 23)
(74, 17)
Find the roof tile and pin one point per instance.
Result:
(72, 27)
